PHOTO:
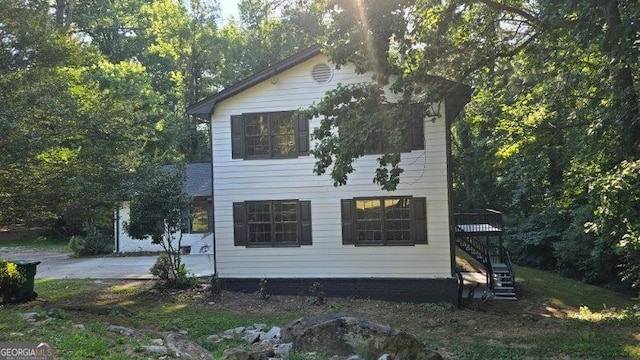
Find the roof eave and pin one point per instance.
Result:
(205, 107)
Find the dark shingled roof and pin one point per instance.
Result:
(198, 181)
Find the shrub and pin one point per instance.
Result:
(10, 279)
(162, 269)
(95, 242)
(319, 296)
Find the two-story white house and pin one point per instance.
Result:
(274, 219)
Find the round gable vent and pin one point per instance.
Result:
(322, 73)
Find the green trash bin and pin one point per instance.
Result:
(25, 291)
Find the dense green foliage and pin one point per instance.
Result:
(10, 278)
(94, 242)
(92, 89)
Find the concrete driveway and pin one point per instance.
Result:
(54, 265)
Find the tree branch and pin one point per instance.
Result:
(510, 9)
(533, 18)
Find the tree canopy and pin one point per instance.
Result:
(93, 89)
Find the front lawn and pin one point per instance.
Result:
(555, 318)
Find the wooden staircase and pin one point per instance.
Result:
(474, 231)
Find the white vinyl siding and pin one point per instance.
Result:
(238, 180)
(200, 243)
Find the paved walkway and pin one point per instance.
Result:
(55, 265)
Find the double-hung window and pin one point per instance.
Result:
(412, 136)
(200, 216)
(397, 220)
(272, 223)
(269, 135)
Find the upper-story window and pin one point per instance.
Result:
(269, 135)
(412, 136)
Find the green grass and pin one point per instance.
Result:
(555, 317)
(559, 291)
(40, 242)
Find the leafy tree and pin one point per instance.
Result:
(268, 31)
(555, 110)
(157, 212)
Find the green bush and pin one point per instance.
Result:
(174, 278)
(162, 268)
(95, 242)
(10, 278)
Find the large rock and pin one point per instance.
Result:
(348, 335)
(179, 346)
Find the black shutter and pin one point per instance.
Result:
(239, 224)
(302, 134)
(304, 222)
(237, 137)
(210, 215)
(348, 222)
(185, 226)
(419, 223)
(416, 129)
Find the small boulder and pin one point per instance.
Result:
(124, 331)
(215, 339)
(30, 316)
(179, 346)
(253, 336)
(282, 350)
(155, 349)
(343, 335)
(235, 354)
(273, 333)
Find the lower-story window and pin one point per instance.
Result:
(397, 220)
(272, 223)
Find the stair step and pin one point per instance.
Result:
(505, 289)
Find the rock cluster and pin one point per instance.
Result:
(343, 337)
(174, 344)
(260, 343)
(334, 337)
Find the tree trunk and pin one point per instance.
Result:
(619, 48)
(466, 154)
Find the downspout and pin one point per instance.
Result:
(213, 199)
(452, 240)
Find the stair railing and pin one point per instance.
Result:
(479, 220)
(507, 261)
(477, 247)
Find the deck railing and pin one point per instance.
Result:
(474, 221)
